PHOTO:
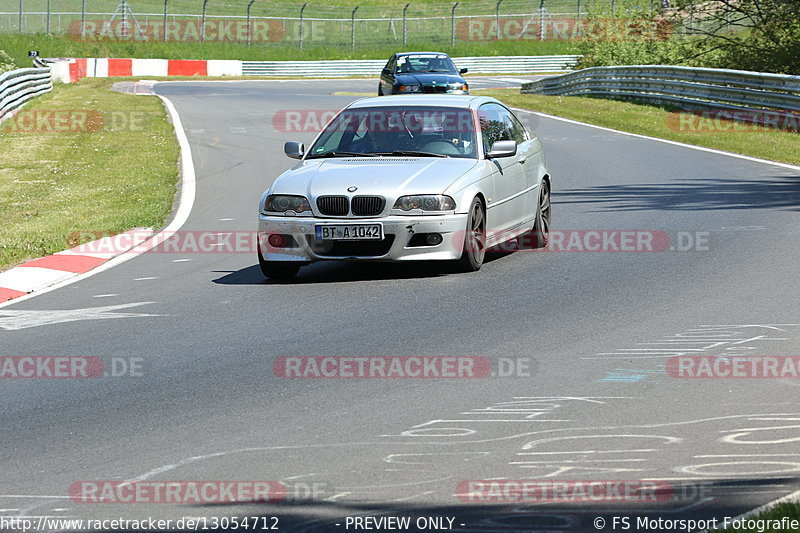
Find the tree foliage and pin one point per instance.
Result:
(761, 35)
(629, 35)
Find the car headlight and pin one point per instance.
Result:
(281, 203)
(459, 87)
(408, 89)
(424, 202)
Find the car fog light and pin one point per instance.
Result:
(434, 239)
(275, 240)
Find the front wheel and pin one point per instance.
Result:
(278, 270)
(475, 238)
(540, 234)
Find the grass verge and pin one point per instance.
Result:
(74, 160)
(658, 121)
(791, 511)
(17, 46)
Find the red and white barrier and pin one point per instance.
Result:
(113, 67)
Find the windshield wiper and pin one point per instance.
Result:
(412, 152)
(440, 70)
(341, 154)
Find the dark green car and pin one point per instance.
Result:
(422, 72)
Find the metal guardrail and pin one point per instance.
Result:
(688, 86)
(19, 86)
(360, 67)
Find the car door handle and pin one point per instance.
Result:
(522, 160)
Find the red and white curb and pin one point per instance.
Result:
(41, 273)
(25, 281)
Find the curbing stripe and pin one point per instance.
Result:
(77, 264)
(187, 191)
(28, 279)
(38, 273)
(10, 294)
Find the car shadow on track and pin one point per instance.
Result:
(769, 192)
(708, 499)
(343, 271)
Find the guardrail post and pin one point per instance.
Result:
(301, 23)
(249, 30)
(165, 19)
(353, 28)
(453, 24)
(497, 18)
(404, 23)
(203, 23)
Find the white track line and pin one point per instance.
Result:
(675, 143)
(187, 195)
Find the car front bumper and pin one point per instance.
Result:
(397, 231)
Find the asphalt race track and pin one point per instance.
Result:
(587, 336)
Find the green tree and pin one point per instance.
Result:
(629, 35)
(761, 35)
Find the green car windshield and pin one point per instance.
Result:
(420, 63)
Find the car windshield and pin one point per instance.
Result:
(394, 130)
(424, 63)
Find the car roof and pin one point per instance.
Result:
(433, 100)
(420, 53)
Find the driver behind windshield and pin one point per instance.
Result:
(408, 64)
(437, 131)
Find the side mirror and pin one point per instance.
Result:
(463, 70)
(386, 70)
(502, 149)
(293, 149)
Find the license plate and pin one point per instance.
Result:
(349, 232)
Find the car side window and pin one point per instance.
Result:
(493, 125)
(402, 65)
(516, 129)
(390, 65)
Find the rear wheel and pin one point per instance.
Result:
(277, 270)
(475, 239)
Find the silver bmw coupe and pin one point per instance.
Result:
(407, 178)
